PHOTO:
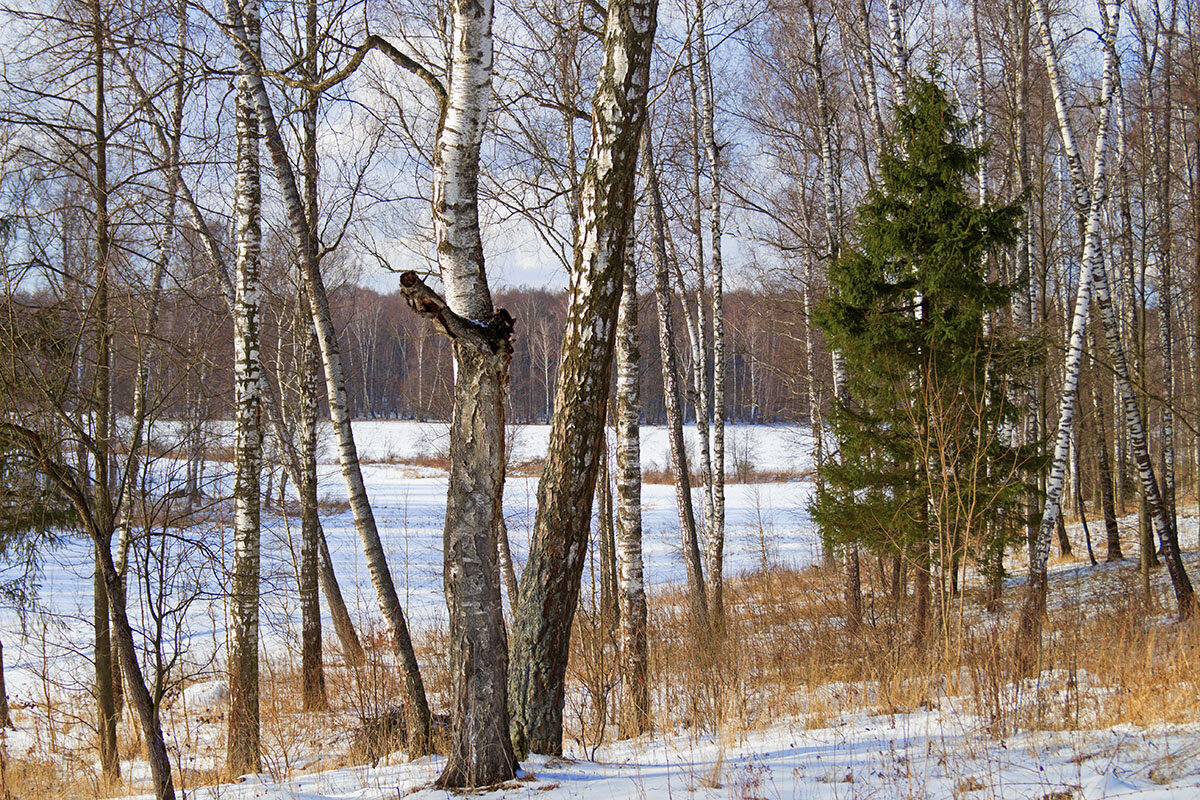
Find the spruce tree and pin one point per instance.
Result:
(925, 465)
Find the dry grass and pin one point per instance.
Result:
(786, 652)
(664, 475)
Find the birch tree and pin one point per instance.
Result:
(549, 588)
(635, 698)
(242, 739)
(715, 529)
(481, 753)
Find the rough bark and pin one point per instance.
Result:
(242, 739)
(480, 751)
(550, 580)
(312, 661)
(672, 394)
(635, 693)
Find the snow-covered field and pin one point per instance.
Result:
(764, 521)
(927, 754)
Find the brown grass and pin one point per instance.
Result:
(786, 652)
(665, 475)
(1106, 658)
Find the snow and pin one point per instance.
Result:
(767, 523)
(210, 694)
(935, 752)
(929, 754)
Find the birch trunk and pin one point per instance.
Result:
(416, 705)
(697, 324)
(550, 580)
(1019, 20)
(715, 540)
(899, 49)
(1160, 159)
(242, 739)
(635, 691)
(507, 570)
(480, 751)
(672, 395)
(831, 208)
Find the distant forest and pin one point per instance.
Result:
(397, 367)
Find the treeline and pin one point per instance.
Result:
(399, 369)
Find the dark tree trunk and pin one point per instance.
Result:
(106, 710)
(550, 580)
(480, 750)
(312, 662)
(1107, 501)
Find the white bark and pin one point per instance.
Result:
(335, 382)
(635, 697)
(697, 324)
(715, 532)
(899, 50)
(243, 751)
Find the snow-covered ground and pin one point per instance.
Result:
(939, 751)
(929, 754)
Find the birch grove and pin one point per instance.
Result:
(547, 259)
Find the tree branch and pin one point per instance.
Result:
(492, 335)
